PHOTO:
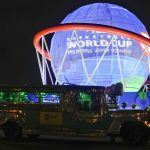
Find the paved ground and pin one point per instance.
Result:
(45, 142)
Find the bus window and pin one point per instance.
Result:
(2, 97)
(88, 102)
(112, 102)
(33, 98)
(10, 97)
(51, 98)
(43, 98)
(96, 102)
(84, 101)
(23, 97)
(13, 97)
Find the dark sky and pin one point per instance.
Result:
(20, 20)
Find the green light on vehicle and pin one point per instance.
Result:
(1, 96)
(23, 97)
(84, 97)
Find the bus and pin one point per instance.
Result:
(71, 111)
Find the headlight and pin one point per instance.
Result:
(147, 123)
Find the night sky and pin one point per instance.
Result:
(20, 20)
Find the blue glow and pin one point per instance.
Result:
(51, 99)
(75, 54)
(131, 98)
(33, 98)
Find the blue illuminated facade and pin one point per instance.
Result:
(98, 58)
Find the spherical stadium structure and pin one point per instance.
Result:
(90, 57)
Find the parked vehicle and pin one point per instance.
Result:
(71, 111)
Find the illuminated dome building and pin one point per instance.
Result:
(86, 57)
(96, 56)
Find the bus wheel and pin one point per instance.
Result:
(133, 134)
(33, 136)
(12, 130)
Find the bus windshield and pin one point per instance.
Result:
(29, 97)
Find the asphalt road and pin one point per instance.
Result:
(46, 142)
